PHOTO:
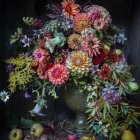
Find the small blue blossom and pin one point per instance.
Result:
(120, 38)
(108, 87)
(26, 41)
(10, 67)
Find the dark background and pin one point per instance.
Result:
(125, 14)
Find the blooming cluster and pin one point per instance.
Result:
(77, 46)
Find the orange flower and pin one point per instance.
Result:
(70, 9)
(81, 22)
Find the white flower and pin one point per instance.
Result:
(100, 123)
(4, 96)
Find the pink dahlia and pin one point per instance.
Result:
(99, 23)
(94, 13)
(99, 17)
(40, 55)
(105, 72)
(91, 46)
(58, 74)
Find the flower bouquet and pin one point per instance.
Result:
(76, 45)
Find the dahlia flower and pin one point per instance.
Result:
(74, 41)
(88, 32)
(79, 61)
(99, 23)
(40, 55)
(81, 22)
(105, 72)
(113, 98)
(42, 72)
(70, 9)
(99, 58)
(113, 57)
(58, 74)
(91, 46)
(99, 17)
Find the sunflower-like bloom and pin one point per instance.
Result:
(91, 46)
(81, 22)
(70, 9)
(74, 41)
(79, 62)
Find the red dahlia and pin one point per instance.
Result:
(99, 58)
(104, 72)
(113, 57)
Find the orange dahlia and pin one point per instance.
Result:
(70, 9)
(81, 22)
(74, 41)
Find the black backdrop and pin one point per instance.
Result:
(125, 14)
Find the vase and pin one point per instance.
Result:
(76, 101)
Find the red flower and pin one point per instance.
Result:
(99, 58)
(43, 70)
(35, 65)
(113, 57)
(42, 40)
(105, 72)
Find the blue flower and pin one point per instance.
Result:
(26, 41)
(120, 38)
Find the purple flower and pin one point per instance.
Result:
(113, 98)
(26, 41)
(10, 67)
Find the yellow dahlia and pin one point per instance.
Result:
(79, 62)
(81, 22)
(74, 41)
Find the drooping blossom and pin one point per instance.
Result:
(79, 62)
(58, 74)
(70, 8)
(104, 72)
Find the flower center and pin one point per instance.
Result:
(78, 61)
(76, 42)
(39, 55)
(68, 9)
(91, 43)
(56, 73)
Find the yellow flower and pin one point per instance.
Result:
(79, 62)
(74, 41)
